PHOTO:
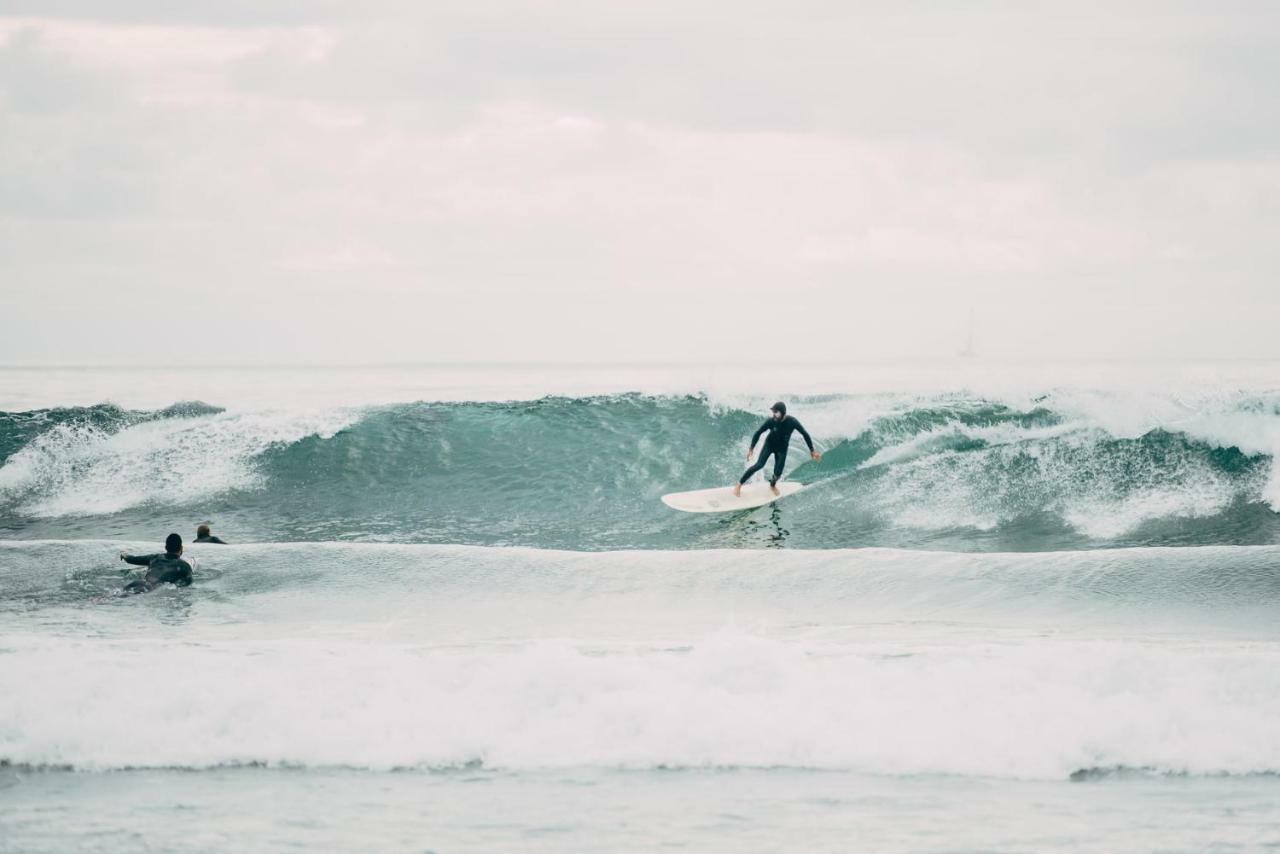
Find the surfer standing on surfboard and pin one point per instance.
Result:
(779, 425)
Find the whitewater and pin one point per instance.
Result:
(1018, 607)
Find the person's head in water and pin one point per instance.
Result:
(173, 544)
(779, 411)
(202, 530)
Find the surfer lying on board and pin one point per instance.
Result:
(167, 568)
(204, 535)
(779, 425)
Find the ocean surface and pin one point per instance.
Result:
(1019, 607)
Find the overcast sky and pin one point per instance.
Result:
(365, 182)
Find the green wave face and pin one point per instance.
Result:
(945, 473)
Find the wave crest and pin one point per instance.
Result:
(1056, 471)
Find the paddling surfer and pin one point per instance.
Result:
(204, 535)
(166, 568)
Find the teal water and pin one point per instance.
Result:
(949, 472)
(456, 616)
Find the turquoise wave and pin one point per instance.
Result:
(586, 473)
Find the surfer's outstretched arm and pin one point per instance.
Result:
(756, 438)
(807, 440)
(138, 560)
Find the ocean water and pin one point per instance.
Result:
(1019, 608)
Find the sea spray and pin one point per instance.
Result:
(1063, 470)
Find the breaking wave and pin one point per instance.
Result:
(1070, 470)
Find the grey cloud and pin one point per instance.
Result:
(65, 148)
(35, 79)
(555, 171)
(245, 13)
(1123, 84)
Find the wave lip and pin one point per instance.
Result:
(1061, 470)
(186, 453)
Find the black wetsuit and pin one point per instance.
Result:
(776, 444)
(209, 539)
(166, 568)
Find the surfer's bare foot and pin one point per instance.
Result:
(737, 490)
(774, 487)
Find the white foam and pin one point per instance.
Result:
(932, 488)
(1101, 493)
(1033, 710)
(1103, 518)
(943, 436)
(1219, 417)
(984, 488)
(71, 470)
(83, 470)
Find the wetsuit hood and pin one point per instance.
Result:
(780, 408)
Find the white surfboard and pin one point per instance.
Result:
(722, 500)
